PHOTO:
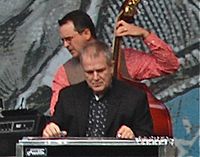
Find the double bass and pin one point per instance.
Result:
(162, 124)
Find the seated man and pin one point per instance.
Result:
(100, 106)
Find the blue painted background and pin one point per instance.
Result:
(184, 110)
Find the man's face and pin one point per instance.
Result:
(72, 40)
(98, 73)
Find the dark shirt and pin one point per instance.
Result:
(98, 110)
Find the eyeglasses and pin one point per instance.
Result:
(68, 39)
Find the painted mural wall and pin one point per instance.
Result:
(30, 53)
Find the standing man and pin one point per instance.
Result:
(100, 106)
(77, 29)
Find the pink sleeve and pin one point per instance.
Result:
(60, 81)
(161, 60)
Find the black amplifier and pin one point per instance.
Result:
(15, 124)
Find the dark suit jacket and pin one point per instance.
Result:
(127, 106)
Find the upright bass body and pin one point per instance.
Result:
(162, 124)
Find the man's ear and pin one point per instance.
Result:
(87, 34)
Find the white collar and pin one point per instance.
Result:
(97, 97)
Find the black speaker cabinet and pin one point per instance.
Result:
(15, 124)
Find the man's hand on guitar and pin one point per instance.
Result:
(52, 130)
(125, 132)
(124, 29)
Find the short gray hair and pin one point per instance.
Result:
(99, 47)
